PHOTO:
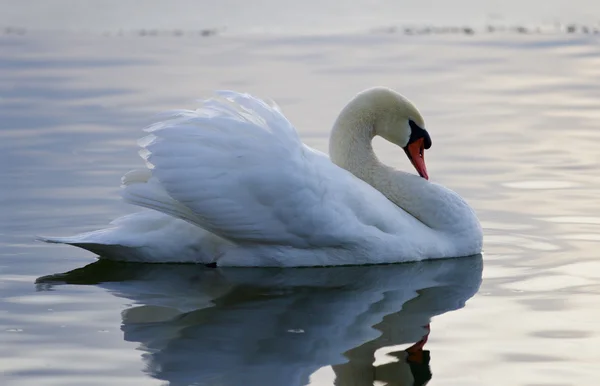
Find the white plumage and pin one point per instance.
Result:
(252, 194)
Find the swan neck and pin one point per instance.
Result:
(350, 143)
(350, 147)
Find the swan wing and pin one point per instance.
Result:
(237, 168)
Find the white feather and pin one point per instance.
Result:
(148, 236)
(236, 167)
(235, 185)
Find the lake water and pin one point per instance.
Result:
(514, 120)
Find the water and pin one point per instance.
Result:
(309, 16)
(514, 124)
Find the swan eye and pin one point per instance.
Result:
(417, 132)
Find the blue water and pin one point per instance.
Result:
(514, 124)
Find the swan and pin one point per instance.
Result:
(232, 184)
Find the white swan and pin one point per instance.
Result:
(231, 184)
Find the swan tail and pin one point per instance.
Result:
(148, 236)
(101, 242)
(103, 250)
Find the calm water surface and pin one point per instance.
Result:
(277, 16)
(514, 121)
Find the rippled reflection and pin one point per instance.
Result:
(239, 326)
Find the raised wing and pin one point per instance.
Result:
(237, 168)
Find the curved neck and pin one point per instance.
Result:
(350, 144)
(350, 148)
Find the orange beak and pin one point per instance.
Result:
(416, 154)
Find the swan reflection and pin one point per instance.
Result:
(269, 326)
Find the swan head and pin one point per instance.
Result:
(398, 121)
